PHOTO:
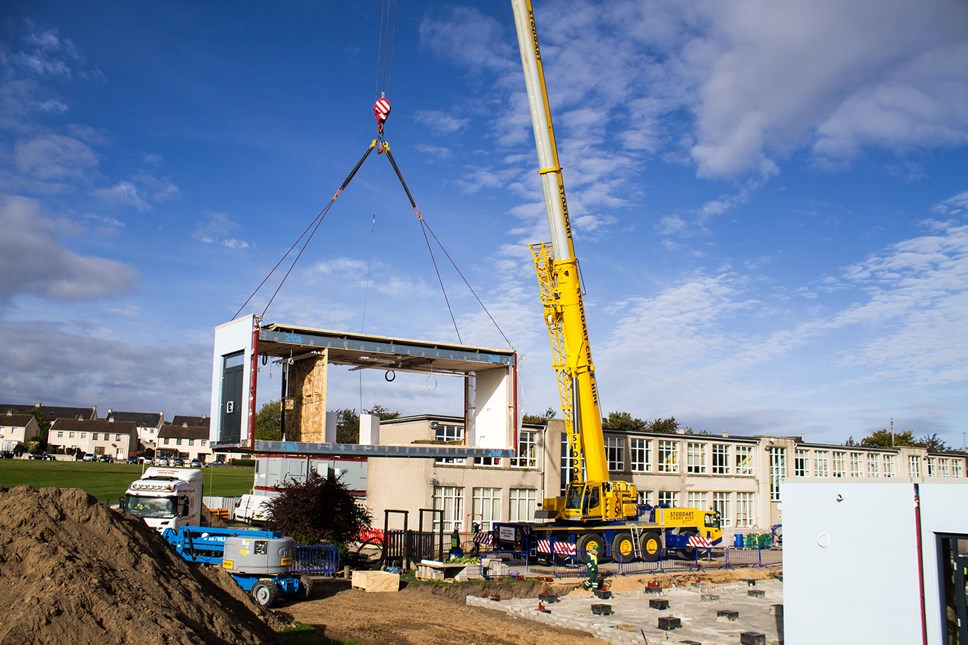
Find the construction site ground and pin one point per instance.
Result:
(469, 612)
(79, 572)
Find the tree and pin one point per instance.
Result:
(347, 426)
(319, 509)
(268, 422)
(382, 412)
(669, 425)
(933, 443)
(539, 419)
(887, 439)
(622, 421)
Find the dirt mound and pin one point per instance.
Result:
(76, 571)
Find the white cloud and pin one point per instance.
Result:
(441, 121)
(219, 228)
(123, 193)
(33, 261)
(53, 157)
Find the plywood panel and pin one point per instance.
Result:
(307, 390)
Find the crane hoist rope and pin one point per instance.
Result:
(386, 50)
(382, 147)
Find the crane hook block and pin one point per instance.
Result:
(381, 110)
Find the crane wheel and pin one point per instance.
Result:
(587, 541)
(687, 552)
(651, 547)
(623, 548)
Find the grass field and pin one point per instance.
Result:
(107, 482)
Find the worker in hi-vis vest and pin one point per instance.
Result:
(591, 561)
(455, 550)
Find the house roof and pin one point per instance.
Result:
(15, 420)
(140, 419)
(183, 432)
(52, 412)
(182, 420)
(94, 425)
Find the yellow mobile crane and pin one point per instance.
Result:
(595, 510)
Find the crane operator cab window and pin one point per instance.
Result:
(712, 521)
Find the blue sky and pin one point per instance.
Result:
(770, 200)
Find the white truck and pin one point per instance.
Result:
(166, 497)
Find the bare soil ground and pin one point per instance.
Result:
(73, 570)
(436, 613)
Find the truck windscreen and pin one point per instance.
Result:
(151, 506)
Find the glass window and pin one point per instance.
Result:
(191, 442)
(527, 451)
(83, 435)
(117, 437)
(890, 465)
(60, 434)
(696, 499)
(931, 467)
(839, 462)
(448, 432)
(523, 502)
(820, 463)
(178, 441)
(943, 468)
(643, 496)
(566, 463)
(801, 463)
(641, 455)
(696, 458)
(873, 462)
(720, 459)
(745, 510)
(615, 453)
(70, 435)
(449, 499)
(914, 465)
(94, 436)
(777, 471)
(744, 460)
(855, 464)
(957, 468)
(721, 504)
(668, 456)
(487, 461)
(487, 506)
(670, 497)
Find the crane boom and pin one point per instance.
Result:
(560, 287)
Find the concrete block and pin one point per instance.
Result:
(379, 581)
(750, 582)
(709, 597)
(668, 623)
(604, 595)
(756, 593)
(752, 638)
(547, 597)
(658, 604)
(653, 590)
(727, 616)
(602, 610)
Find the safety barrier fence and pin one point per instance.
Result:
(317, 560)
(672, 561)
(504, 564)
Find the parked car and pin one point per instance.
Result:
(6, 454)
(195, 463)
(39, 455)
(90, 457)
(107, 459)
(178, 462)
(133, 460)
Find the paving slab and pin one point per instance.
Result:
(633, 622)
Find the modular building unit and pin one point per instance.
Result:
(490, 405)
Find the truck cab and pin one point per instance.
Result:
(166, 497)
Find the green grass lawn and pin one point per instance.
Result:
(107, 482)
